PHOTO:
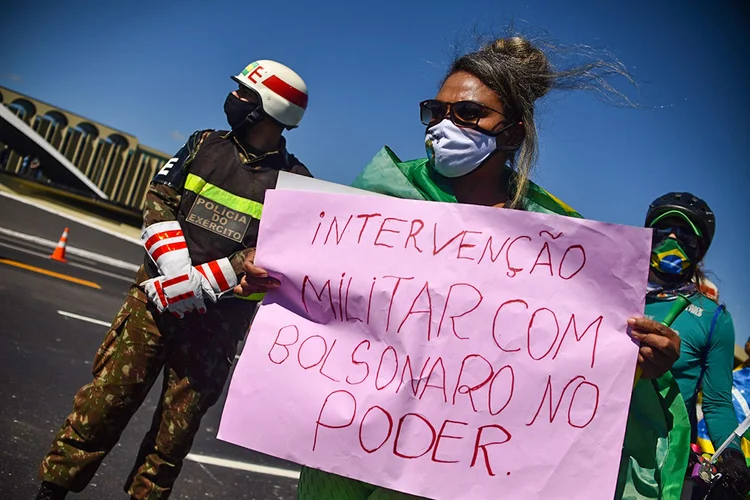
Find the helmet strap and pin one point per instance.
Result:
(252, 119)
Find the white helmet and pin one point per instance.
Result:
(283, 94)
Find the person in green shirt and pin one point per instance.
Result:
(683, 229)
(481, 141)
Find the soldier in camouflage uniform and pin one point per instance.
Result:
(201, 218)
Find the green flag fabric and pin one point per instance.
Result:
(415, 180)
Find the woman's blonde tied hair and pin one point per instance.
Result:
(521, 72)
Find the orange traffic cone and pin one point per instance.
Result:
(59, 253)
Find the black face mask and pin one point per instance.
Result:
(238, 112)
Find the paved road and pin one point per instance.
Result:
(45, 357)
(27, 219)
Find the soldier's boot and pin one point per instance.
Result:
(50, 491)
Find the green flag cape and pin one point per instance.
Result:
(415, 180)
(657, 438)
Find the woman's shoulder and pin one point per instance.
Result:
(703, 305)
(707, 298)
(712, 315)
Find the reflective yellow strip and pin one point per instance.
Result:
(214, 193)
(256, 297)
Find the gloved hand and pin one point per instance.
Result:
(182, 287)
(733, 464)
(217, 277)
(177, 295)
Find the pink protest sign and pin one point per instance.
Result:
(444, 350)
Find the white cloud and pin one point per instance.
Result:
(12, 77)
(177, 135)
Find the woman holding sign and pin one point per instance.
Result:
(481, 142)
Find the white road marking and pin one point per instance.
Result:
(100, 271)
(102, 259)
(25, 250)
(71, 217)
(82, 266)
(83, 318)
(234, 464)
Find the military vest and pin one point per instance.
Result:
(222, 197)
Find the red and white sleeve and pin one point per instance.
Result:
(220, 274)
(165, 243)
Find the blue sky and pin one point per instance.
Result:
(160, 71)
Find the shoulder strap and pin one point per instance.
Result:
(196, 141)
(704, 354)
(174, 172)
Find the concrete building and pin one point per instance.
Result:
(112, 159)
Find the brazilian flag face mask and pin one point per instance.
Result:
(675, 249)
(670, 259)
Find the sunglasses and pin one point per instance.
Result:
(683, 234)
(462, 113)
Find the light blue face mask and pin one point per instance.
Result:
(456, 151)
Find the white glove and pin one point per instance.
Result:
(182, 287)
(217, 277)
(176, 294)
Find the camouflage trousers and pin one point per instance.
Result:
(195, 354)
